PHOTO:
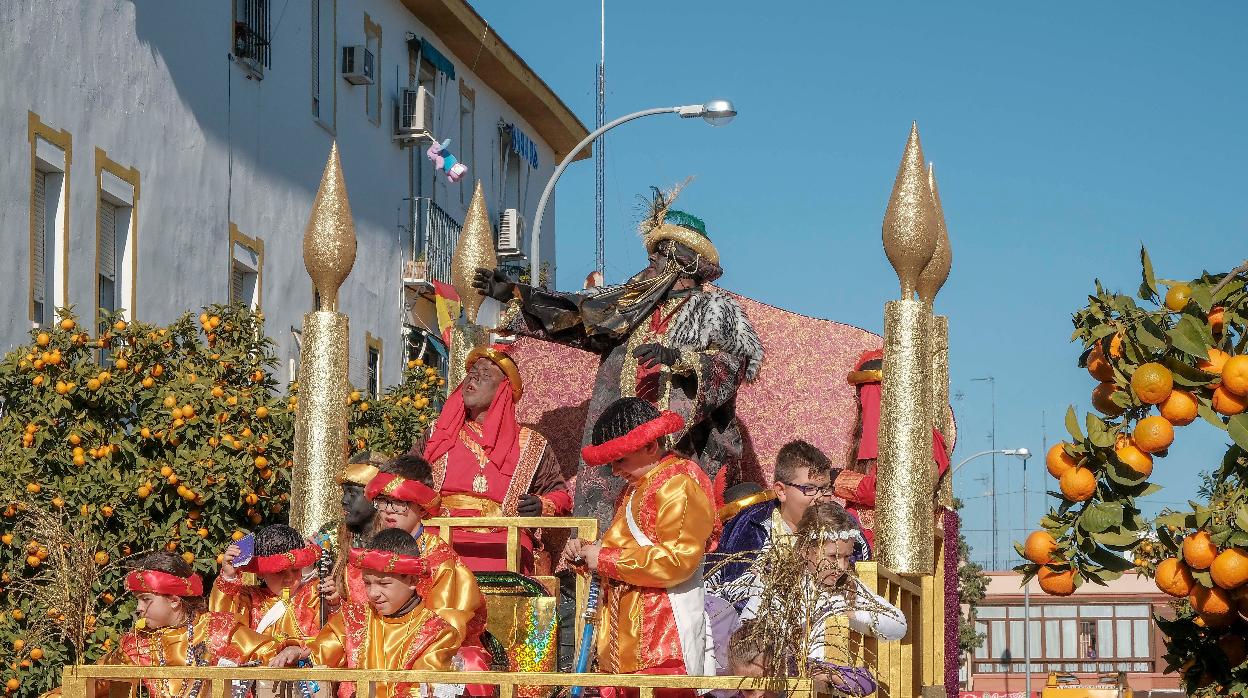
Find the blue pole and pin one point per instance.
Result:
(587, 635)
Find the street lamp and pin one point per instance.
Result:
(1019, 452)
(716, 112)
(1026, 593)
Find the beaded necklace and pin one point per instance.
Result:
(156, 650)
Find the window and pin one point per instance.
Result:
(467, 135)
(373, 365)
(511, 169)
(1092, 638)
(324, 50)
(421, 73)
(49, 214)
(251, 34)
(372, 93)
(116, 260)
(246, 268)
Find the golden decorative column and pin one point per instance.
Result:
(475, 250)
(930, 282)
(904, 506)
(321, 420)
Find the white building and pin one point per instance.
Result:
(161, 155)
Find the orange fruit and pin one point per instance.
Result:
(43, 339)
(1235, 375)
(1214, 606)
(1099, 366)
(237, 535)
(1101, 400)
(262, 412)
(1039, 547)
(165, 471)
(1152, 383)
(1217, 359)
(144, 491)
(1056, 582)
(1078, 484)
(1174, 577)
(171, 545)
(19, 644)
(261, 461)
(1153, 434)
(1199, 551)
(217, 391)
(1131, 456)
(1178, 296)
(101, 558)
(36, 653)
(12, 685)
(33, 487)
(1115, 346)
(1217, 319)
(189, 557)
(1226, 402)
(1058, 461)
(1230, 568)
(1180, 408)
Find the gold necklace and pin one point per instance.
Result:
(479, 483)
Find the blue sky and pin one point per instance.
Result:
(1064, 137)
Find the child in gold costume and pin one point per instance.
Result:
(649, 561)
(173, 629)
(395, 630)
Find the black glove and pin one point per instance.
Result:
(494, 284)
(655, 354)
(530, 505)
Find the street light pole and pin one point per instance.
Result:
(1026, 601)
(716, 112)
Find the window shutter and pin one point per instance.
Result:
(108, 241)
(39, 243)
(237, 281)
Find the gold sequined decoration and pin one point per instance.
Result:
(942, 415)
(329, 239)
(321, 421)
(475, 250)
(465, 336)
(905, 490)
(937, 270)
(909, 228)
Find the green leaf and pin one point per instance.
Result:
(1151, 335)
(1210, 416)
(1148, 285)
(1123, 475)
(1101, 517)
(1237, 427)
(1072, 424)
(1098, 433)
(1203, 576)
(1117, 539)
(1189, 336)
(1202, 297)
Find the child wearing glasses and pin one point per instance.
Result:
(403, 494)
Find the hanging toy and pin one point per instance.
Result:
(443, 159)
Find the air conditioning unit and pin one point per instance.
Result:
(510, 229)
(357, 65)
(415, 112)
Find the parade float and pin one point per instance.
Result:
(76, 508)
(1161, 360)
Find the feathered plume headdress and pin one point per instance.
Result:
(660, 222)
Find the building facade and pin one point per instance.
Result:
(1097, 630)
(162, 155)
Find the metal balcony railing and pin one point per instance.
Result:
(435, 234)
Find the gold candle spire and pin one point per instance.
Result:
(475, 250)
(933, 276)
(329, 239)
(321, 419)
(909, 229)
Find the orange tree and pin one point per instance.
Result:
(146, 438)
(1159, 365)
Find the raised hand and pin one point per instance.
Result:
(493, 283)
(530, 505)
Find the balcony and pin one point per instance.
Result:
(434, 234)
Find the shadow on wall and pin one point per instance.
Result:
(193, 40)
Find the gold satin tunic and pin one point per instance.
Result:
(249, 604)
(672, 505)
(359, 638)
(451, 590)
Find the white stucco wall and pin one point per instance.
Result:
(151, 83)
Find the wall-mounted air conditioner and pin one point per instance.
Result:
(357, 65)
(510, 229)
(415, 112)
